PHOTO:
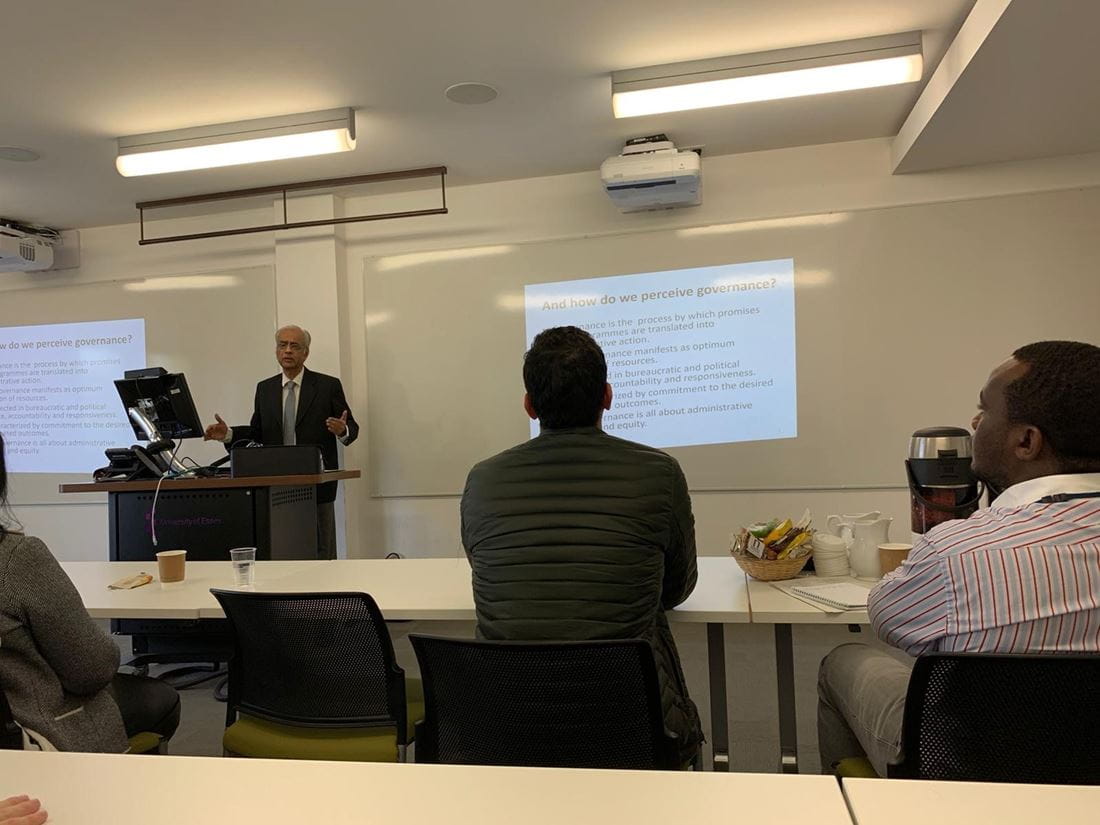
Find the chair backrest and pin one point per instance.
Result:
(1003, 718)
(11, 735)
(553, 704)
(313, 659)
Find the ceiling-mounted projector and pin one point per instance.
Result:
(20, 252)
(651, 174)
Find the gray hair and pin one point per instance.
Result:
(305, 333)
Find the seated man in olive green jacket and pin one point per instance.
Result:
(543, 522)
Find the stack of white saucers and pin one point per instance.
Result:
(830, 555)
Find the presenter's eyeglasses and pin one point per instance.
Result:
(293, 346)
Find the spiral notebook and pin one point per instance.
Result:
(841, 595)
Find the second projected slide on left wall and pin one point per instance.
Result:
(58, 405)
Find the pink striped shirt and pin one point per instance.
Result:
(1019, 577)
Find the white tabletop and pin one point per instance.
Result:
(428, 589)
(720, 595)
(435, 589)
(183, 600)
(78, 789)
(911, 802)
(772, 606)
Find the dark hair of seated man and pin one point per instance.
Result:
(565, 375)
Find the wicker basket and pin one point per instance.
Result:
(774, 570)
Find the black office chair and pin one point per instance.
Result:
(552, 704)
(984, 717)
(313, 676)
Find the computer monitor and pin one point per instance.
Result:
(159, 404)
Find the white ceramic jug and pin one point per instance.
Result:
(837, 524)
(863, 552)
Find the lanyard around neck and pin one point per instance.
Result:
(1058, 498)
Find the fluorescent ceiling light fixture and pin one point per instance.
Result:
(748, 78)
(229, 144)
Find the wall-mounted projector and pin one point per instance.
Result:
(651, 174)
(23, 253)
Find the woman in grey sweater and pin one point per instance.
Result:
(58, 669)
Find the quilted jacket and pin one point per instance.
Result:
(578, 535)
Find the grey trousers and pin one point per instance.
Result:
(326, 530)
(861, 699)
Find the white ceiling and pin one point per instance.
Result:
(1025, 88)
(77, 74)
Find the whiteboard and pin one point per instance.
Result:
(215, 327)
(900, 315)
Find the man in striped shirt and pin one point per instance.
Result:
(1020, 577)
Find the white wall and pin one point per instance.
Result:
(763, 185)
(807, 180)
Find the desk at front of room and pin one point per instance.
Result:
(183, 790)
(917, 802)
(136, 790)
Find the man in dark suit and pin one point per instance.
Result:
(316, 405)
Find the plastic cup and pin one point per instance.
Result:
(171, 566)
(244, 566)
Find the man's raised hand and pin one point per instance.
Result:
(217, 431)
(337, 426)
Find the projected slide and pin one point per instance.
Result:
(58, 405)
(695, 356)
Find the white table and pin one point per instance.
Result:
(189, 599)
(410, 589)
(78, 789)
(432, 589)
(720, 598)
(912, 802)
(772, 606)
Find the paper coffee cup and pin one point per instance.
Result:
(171, 565)
(891, 555)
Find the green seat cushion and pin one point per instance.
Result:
(855, 767)
(250, 736)
(414, 704)
(144, 742)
